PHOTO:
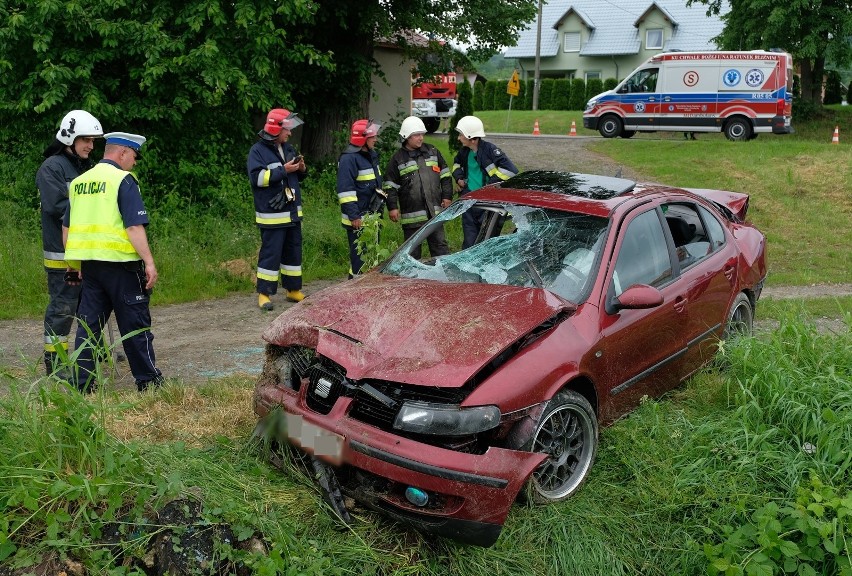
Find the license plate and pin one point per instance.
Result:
(320, 442)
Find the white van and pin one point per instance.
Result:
(739, 93)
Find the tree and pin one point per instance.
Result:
(196, 76)
(833, 88)
(488, 95)
(577, 98)
(812, 32)
(478, 89)
(464, 107)
(561, 94)
(545, 95)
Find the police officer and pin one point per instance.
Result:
(478, 163)
(64, 159)
(274, 172)
(418, 182)
(359, 184)
(104, 233)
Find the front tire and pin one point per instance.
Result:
(610, 126)
(628, 133)
(738, 130)
(432, 124)
(568, 433)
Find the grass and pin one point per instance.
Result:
(672, 482)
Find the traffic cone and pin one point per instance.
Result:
(573, 129)
(536, 131)
(836, 138)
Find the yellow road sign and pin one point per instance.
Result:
(514, 86)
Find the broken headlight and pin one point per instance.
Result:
(445, 419)
(284, 368)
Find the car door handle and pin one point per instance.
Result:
(667, 99)
(680, 304)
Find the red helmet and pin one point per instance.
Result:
(277, 119)
(363, 129)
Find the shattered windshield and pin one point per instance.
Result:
(517, 246)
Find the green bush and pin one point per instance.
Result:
(561, 94)
(593, 88)
(577, 99)
(501, 97)
(528, 94)
(833, 88)
(610, 83)
(488, 95)
(545, 94)
(464, 107)
(478, 89)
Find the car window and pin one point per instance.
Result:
(715, 232)
(517, 246)
(686, 228)
(644, 254)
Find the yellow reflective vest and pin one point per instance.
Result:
(96, 230)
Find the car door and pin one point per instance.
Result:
(639, 351)
(707, 264)
(641, 104)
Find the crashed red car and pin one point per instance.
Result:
(438, 390)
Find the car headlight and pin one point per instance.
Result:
(444, 419)
(591, 104)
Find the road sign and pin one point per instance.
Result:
(514, 86)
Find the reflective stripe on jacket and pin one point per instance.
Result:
(96, 229)
(267, 176)
(416, 182)
(495, 165)
(358, 178)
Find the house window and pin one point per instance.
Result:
(593, 76)
(572, 42)
(654, 39)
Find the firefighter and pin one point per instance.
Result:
(274, 171)
(359, 184)
(105, 239)
(486, 165)
(64, 159)
(418, 185)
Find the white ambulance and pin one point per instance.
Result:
(739, 93)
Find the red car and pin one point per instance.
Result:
(437, 390)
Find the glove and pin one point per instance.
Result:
(278, 201)
(377, 201)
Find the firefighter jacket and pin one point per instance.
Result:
(416, 182)
(268, 178)
(96, 228)
(53, 179)
(495, 165)
(358, 179)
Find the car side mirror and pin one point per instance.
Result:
(637, 297)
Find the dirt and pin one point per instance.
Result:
(215, 338)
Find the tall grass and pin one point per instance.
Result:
(681, 486)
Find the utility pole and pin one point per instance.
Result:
(536, 81)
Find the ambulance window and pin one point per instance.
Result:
(643, 81)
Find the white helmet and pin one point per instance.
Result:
(471, 127)
(78, 123)
(411, 125)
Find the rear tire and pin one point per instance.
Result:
(740, 318)
(610, 126)
(567, 432)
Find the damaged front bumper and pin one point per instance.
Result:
(462, 496)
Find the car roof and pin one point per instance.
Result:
(570, 191)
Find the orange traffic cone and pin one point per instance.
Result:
(573, 129)
(536, 131)
(836, 138)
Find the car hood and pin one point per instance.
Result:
(414, 331)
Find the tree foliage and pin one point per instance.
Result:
(561, 94)
(196, 77)
(577, 99)
(814, 32)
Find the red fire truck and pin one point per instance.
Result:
(434, 101)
